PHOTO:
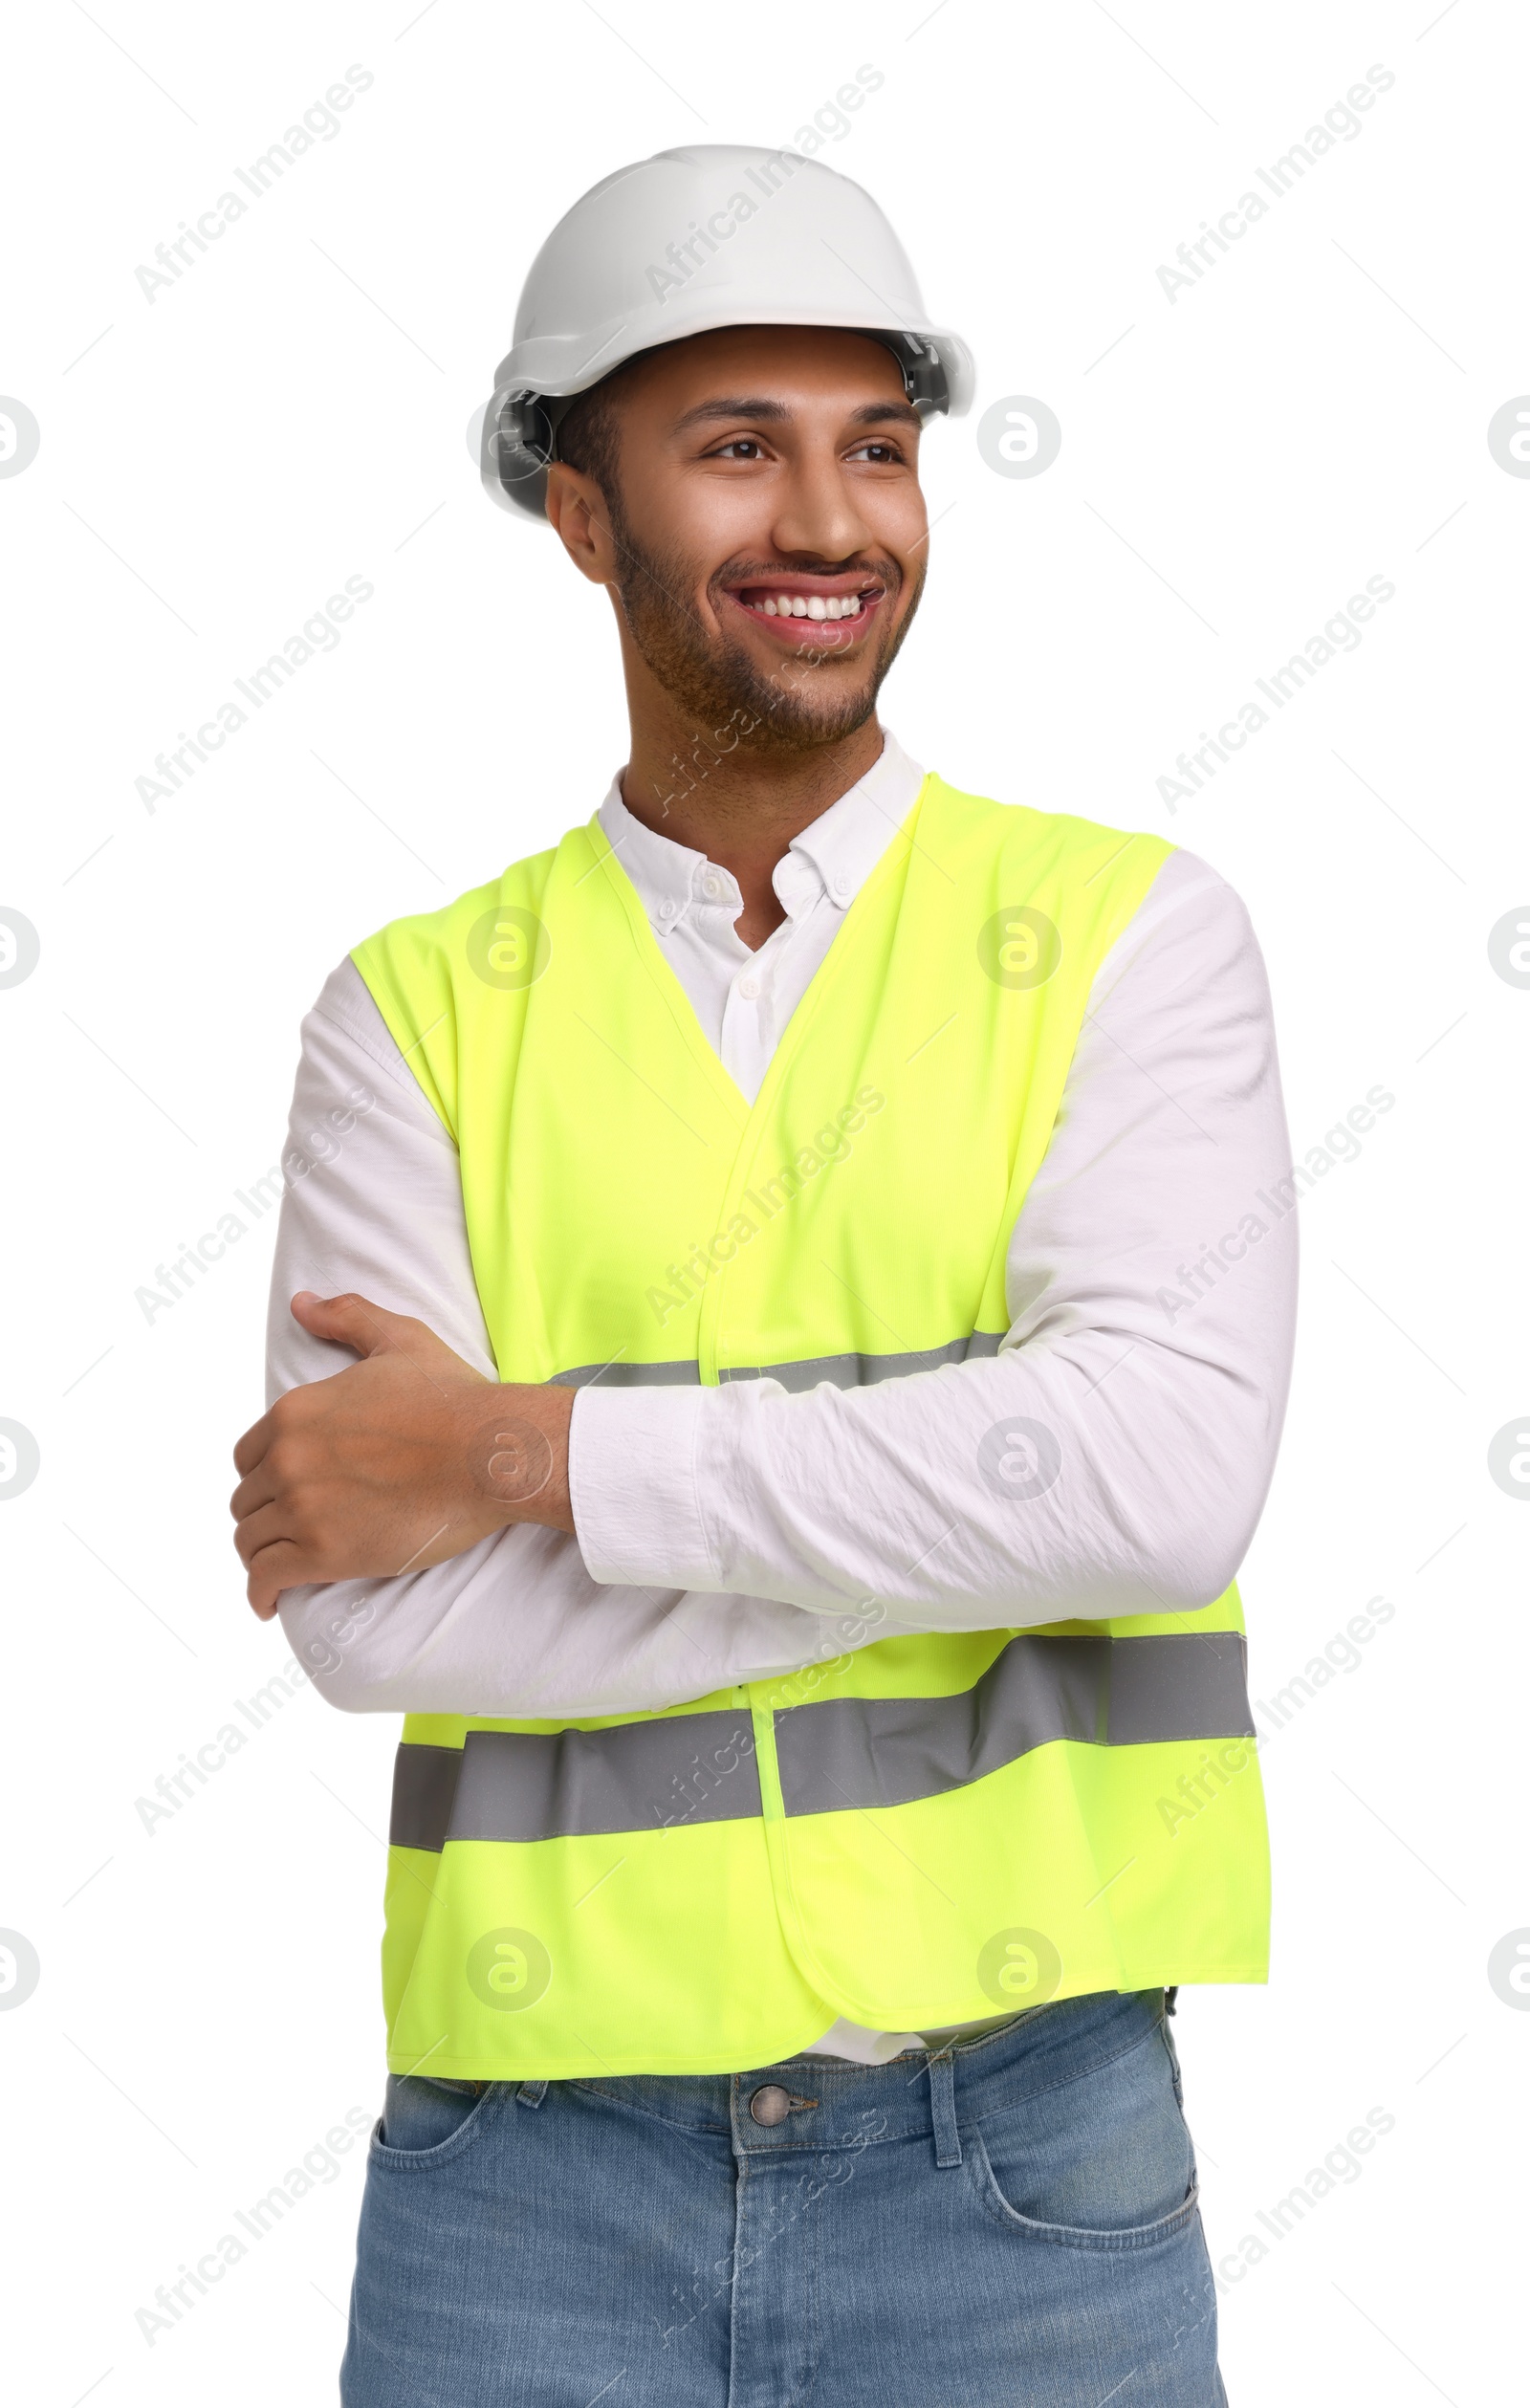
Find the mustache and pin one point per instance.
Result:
(886, 571)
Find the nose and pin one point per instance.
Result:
(819, 517)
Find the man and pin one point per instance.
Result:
(823, 1340)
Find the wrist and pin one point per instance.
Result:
(516, 1449)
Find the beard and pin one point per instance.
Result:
(796, 708)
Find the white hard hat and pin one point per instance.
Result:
(718, 234)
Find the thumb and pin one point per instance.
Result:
(351, 1321)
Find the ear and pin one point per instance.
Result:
(577, 512)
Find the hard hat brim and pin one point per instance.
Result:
(517, 479)
(557, 366)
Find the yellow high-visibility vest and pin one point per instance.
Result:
(911, 1834)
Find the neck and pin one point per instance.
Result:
(740, 808)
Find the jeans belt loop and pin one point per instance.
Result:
(943, 2108)
(531, 2094)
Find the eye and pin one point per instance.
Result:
(739, 448)
(886, 454)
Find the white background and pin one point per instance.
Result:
(1236, 463)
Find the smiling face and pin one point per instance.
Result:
(759, 518)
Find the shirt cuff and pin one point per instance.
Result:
(632, 1482)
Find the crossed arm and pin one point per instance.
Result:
(441, 1543)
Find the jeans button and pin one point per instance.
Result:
(771, 2104)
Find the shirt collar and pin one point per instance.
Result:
(835, 855)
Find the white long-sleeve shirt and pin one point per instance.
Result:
(733, 1533)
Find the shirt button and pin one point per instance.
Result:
(711, 886)
(749, 989)
(842, 889)
(668, 910)
(771, 2104)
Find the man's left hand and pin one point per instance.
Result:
(405, 1458)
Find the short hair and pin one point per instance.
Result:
(588, 435)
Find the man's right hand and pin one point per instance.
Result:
(405, 1458)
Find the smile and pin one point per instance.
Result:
(808, 608)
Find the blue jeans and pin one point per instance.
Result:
(1014, 2222)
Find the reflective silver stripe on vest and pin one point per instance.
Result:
(619, 1374)
(863, 1371)
(841, 1371)
(536, 1784)
(1113, 1693)
(842, 1752)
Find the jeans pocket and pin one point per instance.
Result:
(427, 2120)
(1101, 2160)
(1104, 2235)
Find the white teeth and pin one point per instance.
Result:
(811, 605)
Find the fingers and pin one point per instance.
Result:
(258, 1488)
(262, 1528)
(252, 1446)
(278, 1567)
(289, 1413)
(354, 1321)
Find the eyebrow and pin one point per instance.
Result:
(768, 412)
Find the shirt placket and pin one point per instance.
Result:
(750, 1024)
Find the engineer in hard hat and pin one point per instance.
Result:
(818, 1334)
